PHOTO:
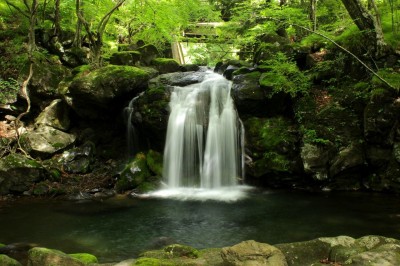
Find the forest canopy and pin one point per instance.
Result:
(103, 25)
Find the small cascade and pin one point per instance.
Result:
(131, 132)
(204, 144)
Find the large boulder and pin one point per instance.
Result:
(253, 253)
(46, 140)
(18, 173)
(178, 79)
(55, 115)
(102, 92)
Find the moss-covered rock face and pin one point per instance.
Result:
(17, 173)
(273, 147)
(165, 65)
(100, 92)
(48, 73)
(155, 162)
(7, 261)
(51, 257)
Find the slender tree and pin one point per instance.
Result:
(369, 26)
(95, 37)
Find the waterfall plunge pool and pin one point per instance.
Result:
(120, 228)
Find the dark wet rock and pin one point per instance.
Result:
(79, 160)
(251, 99)
(315, 161)
(189, 67)
(253, 253)
(178, 79)
(18, 173)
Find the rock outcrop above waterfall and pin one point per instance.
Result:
(99, 93)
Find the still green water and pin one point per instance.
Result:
(117, 229)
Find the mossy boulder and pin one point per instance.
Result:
(48, 257)
(126, 58)
(253, 253)
(152, 262)
(148, 53)
(86, 258)
(134, 174)
(165, 65)
(177, 250)
(18, 173)
(100, 93)
(7, 261)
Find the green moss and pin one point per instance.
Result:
(86, 258)
(155, 162)
(164, 61)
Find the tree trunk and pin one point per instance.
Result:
(57, 18)
(369, 27)
(313, 14)
(78, 29)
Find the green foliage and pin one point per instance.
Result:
(86, 258)
(8, 90)
(311, 136)
(284, 76)
(390, 75)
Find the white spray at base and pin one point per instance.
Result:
(204, 147)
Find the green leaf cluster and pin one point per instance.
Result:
(8, 90)
(283, 75)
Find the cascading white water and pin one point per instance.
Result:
(204, 145)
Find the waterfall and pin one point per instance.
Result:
(204, 143)
(131, 132)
